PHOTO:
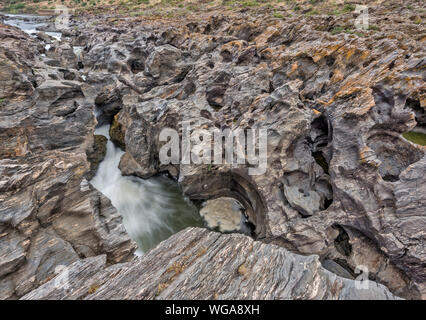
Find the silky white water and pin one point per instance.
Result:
(152, 209)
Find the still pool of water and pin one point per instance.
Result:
(152, 209)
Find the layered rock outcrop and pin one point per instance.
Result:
(341, 181)
(199, 264)
(49, 214)
(335, 107)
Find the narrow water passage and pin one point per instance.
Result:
(152, 209)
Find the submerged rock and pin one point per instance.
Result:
(224, 214)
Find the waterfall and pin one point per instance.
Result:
(152, 210)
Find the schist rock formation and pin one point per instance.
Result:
(343, 187)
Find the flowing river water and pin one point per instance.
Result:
(29, 23)
(152, 209)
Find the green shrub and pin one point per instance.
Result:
(312, 12)
(337, 30)
(15, 7)
(278, 15)
(373, 27)
(348, 8)
(250, 3)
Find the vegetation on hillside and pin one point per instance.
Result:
(280, 8)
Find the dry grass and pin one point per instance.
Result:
(170, 8)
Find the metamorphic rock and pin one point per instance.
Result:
(343, 187)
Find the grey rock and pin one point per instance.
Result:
(165, 64)
(334, 106)
(224, 214)
(199, 264)
(48, 217)
(336, 158)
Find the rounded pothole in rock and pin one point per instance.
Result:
(304, 196)
(226, 215)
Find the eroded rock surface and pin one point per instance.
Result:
(341, 181)
(335, 107)
(49, 214)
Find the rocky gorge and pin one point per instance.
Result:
(343, 188)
